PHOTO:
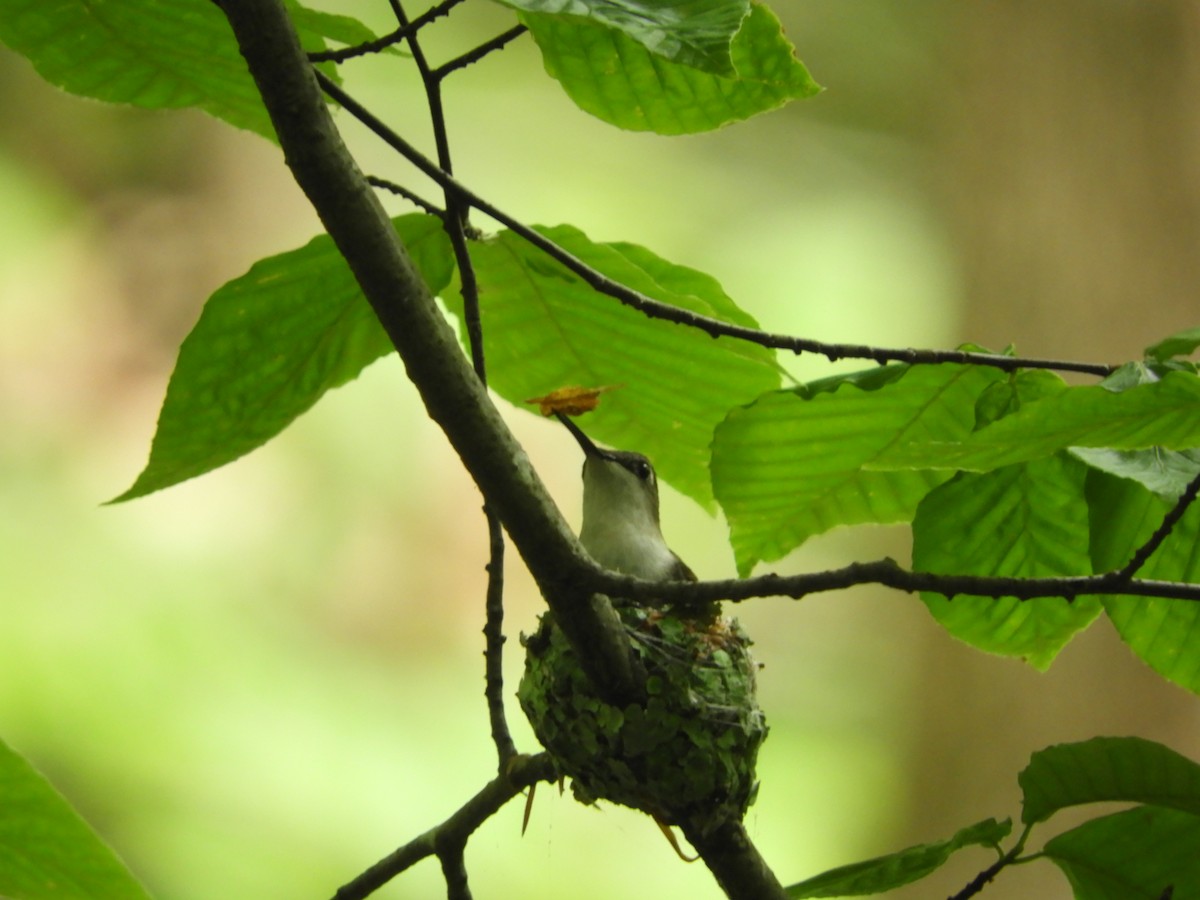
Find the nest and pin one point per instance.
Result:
(689, 751)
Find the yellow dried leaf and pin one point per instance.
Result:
(571, 401)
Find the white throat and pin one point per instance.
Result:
(620, 522)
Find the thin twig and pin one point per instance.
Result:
(1170, 520)
(886, 572)
(656, 309)
(473, 56)
(494, 640)
(454, 223)
(980, 881)
(523, 772)
(382, 43)
(410, 196)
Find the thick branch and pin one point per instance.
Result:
(734, 861)
(452, 394)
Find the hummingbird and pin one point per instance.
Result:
(621, 528)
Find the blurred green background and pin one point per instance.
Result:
(257, 683)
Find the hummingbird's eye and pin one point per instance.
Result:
(642, 470)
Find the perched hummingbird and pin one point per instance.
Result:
(620, 513)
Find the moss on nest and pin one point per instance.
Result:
(690, 750)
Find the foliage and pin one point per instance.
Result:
(1005, 472)
(46, 849)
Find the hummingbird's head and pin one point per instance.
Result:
(620, 513)
(616, 482)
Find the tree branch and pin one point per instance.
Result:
(886, 572)
(524, 772)
(452, 394)
(494, 640)
(454, 224)
(656, 309)
(412, 197)
(733, 859)
(474, 56)
(1170, 520)
(980, 881)
(382, 43)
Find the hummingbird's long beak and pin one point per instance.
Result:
(589, 448)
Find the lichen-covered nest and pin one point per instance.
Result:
(690, 750)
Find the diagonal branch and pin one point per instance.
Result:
(474, 56)
(411, 196)
(390, 39)
(441, 840)
(1170, 520)
(451, 391)
(656, 309)
(734, 860)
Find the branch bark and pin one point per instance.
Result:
(448, 839)
(888, 573)
(734, 860)
(453, 396)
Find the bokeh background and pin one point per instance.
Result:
(257, 683)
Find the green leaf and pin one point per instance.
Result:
(1164, 633)
(1146, 853)
(865, 380)
(1166, 473)
(885, 873)
(1165, 413)
(1023, 521)
(158, 54)
(791, 466)
(313, 23)
(1128, 769)
(1183, 343)
(693, 33)
(1005, 397)
(46, 850)
(265, 349)
(544, 329)
(619, 81)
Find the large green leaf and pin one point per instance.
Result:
(1165, 413)
(1128, 769)
(160, 54)
(791, 465)
(886, 873)
(618, 80)
(1145, 853)
(693, 33)
(1164, 633)
(1024, 521)
(46, 850)
(544, 329)
(265, 349)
